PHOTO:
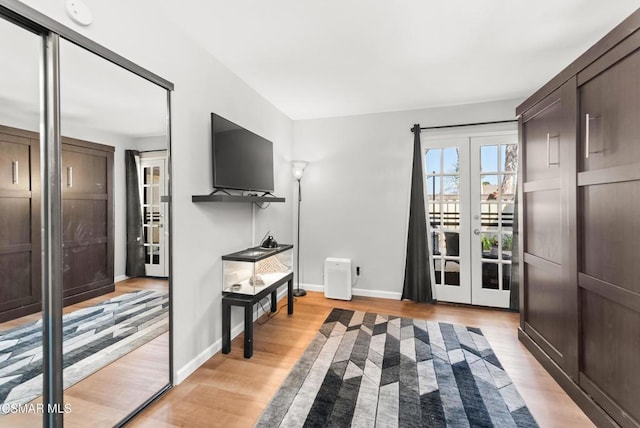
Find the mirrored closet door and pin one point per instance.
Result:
(20, 238)
(115, 320)
(117, 353)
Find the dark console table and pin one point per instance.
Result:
(247, 301)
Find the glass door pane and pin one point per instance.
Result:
(446, 191)
(20, 237)
(493, 199)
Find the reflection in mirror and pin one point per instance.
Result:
(20, 280)
(115, 233)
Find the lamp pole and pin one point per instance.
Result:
(299, 292)
(298, 170)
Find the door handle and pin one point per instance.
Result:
(549, 137)
(69, 176)
(14, 172)
(476, 231)
(587, 149)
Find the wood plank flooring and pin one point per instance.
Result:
(231, 391)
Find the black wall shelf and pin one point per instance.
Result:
(234, 198)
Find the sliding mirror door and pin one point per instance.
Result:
(116, 314)
(20, 202)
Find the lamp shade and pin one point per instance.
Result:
(297, 168)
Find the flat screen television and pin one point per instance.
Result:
(242, 160)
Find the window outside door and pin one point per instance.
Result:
(153, 185)
(470, 186)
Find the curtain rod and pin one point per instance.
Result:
(466, 124)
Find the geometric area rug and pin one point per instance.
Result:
(369, 370)
(93, 337)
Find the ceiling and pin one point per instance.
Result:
(324, 58)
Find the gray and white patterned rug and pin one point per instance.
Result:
(93, 337)
(365, 370)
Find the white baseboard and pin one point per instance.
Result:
(313, 287)
(186, 370)
(358, 292)
(120, 278)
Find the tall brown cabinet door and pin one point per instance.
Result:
(19, 225)
(549, 312)
(609, 219)
(87, 219)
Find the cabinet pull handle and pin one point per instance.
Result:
(69, 176)
(587, 128)
(548, 142)
(549, 163)
(14, 172)
(586, 137)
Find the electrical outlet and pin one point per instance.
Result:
(357, 270)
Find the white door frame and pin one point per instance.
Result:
(157, 158)
(467, 139)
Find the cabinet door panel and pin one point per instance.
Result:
(15, 280)
(611, 350)
(20, 287)
(83, 172)
(15, 229)
(84, 220)
(611, 100)
(610, 230)
(546, 306)
(542, 136)
(85, 267)
(544, 225)
(549, 226)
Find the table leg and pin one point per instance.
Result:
(290, 296)
(226, 328)
(248, 331)
(274, 300)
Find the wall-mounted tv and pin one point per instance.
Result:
(242, 160)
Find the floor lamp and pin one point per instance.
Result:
(297, 168)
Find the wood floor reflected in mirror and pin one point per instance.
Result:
(110, 394)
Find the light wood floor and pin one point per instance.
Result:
(231, 391)
(110, 394)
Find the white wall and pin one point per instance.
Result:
(201, 232)
(356, 189)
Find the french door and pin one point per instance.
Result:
(470, 186)
(155, 223)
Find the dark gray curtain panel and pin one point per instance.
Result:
(417, 275)
(514, 295)
(135, 239)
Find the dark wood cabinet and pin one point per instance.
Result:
(550, 314)
(609, 228)
(87, 217)
(20, 287)
(581, 228)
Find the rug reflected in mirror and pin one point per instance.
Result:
(93, 338)
(366, 370)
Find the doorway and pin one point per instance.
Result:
(153, 183)
(470, 186)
